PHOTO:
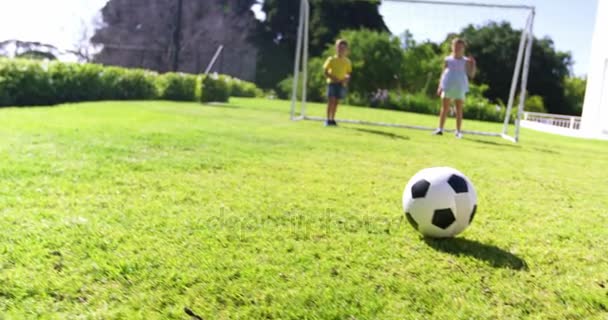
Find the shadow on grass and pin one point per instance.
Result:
(382, 133)
(494, 256)
(221, 105)
(494, 143)
(543, 150)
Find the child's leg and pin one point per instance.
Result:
(330, 106)
(459, 113)
(335, 108)
(445, 108)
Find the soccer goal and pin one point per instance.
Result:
(421, 9)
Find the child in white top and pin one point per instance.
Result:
(454, 84)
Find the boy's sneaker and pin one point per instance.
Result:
(333, 123)
(438, 132)
(327, 123)
(458, 135)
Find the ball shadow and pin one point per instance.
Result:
(492, 255)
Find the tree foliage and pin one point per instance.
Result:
(276, 36)
(377, 58)
(495, 46)
(421, 67)
(37, 55)
(574, 91)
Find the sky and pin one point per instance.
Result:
(569, 23)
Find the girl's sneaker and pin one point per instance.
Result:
(458, 135)
(438, 132)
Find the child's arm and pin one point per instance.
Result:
(349, 72)
(471, 67)
(346, 79)
(330, 76)
(439, 88)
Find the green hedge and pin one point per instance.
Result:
(25, 83)
(218, 88)
(128, 84)
(76, 82)
(177, 86)
(475, 108)
(215, 89)
(32, 82)
(240, 88)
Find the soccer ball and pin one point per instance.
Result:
(439, 202)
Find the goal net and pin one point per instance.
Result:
(435, 21)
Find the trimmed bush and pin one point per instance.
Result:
(132, 84)
(34, 83)
(25, 83)
(475, 107)
(5, 98)
(240, 88)
(177, 86)
(76, 82)
(418, 103)
(284, 88)
(31, 83)
(215, 89)
(479, 108)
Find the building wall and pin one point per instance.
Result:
(139, 34)
(595, 110)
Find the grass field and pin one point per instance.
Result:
(135, 210)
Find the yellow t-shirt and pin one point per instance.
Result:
(338, 67)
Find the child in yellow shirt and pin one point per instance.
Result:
(337, 70)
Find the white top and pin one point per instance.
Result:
(454, 77)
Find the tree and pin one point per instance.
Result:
(276, 36)
(37, 55)
(575, 88)
(83, 49)
(495, 45)
(421, 67)
(28, 50)
(329, 18)
(377, 62)
(534, 104)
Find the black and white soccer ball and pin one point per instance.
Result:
(439, 202)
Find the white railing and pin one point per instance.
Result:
(557, 120)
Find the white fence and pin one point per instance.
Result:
(556, 120)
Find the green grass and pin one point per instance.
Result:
(135, 210)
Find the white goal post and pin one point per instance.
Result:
(520, 74)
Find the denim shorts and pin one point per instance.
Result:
(336, 90)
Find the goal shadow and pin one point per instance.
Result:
(380, 133)
(494, 256)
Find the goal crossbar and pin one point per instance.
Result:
(520, 74)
